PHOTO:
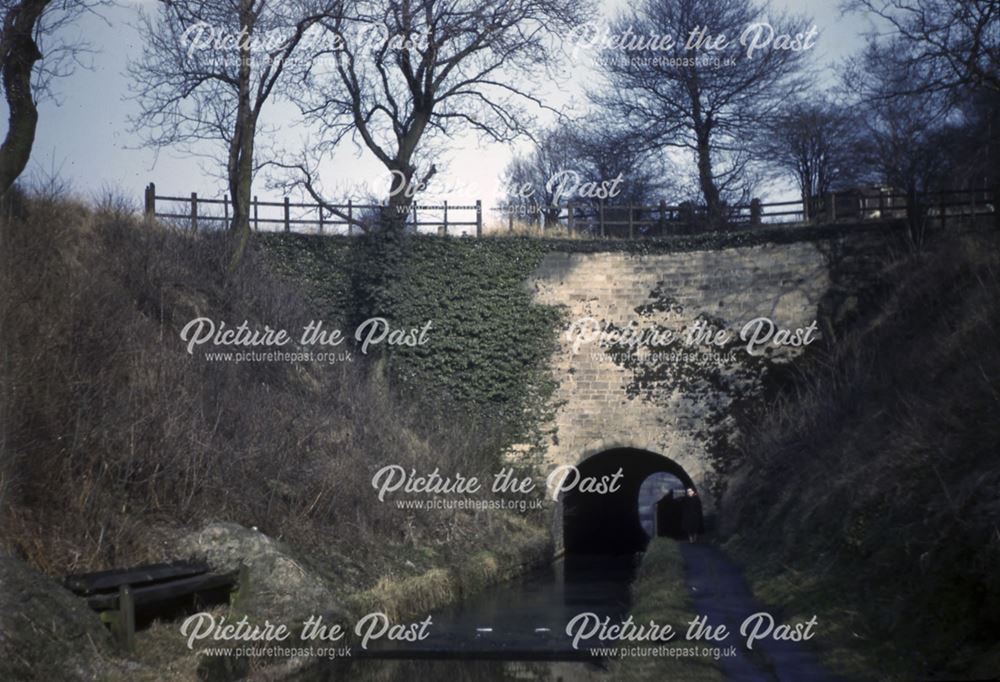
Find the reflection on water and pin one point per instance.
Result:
(515, 631)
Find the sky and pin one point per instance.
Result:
(84, 133)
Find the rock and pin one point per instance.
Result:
(46, 632)
(281, 588)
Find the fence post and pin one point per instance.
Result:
(631, 223)
(350, 217)
(991, 197)
(320, 206)
(288, 215)
(831, 206)
(510, 221)
(755, 212)
(479, 217)
(225, 207)
(569, 218)
(600, 209)
(416, 224)
(663, 217)
(446, 217)
(256, 216)
(151, 201)
(126, 615)
(194, 211)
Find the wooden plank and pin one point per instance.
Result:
(90, 583)
(156, 592)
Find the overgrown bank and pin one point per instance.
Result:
(870, 493)
(117, 443)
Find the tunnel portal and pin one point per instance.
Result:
(609, 523)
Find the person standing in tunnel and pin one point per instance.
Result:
(692, 519)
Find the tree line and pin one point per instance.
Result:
(916, 109)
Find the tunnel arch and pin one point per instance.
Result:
(609, 523)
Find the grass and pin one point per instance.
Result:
(516, 546)
(660, 594)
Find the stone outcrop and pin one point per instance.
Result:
(46, 632)
(280, 588)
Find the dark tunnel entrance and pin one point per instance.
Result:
(610, 523)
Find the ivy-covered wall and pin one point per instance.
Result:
(489, 343)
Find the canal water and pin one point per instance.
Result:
(514, 631)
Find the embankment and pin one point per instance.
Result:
(870, 493)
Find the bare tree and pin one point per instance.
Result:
(974, 149)
(398, 75)
(713, 98)
(907, 137)
(607, 153)
(529, 179)
(207, 72)
(816, 142)
(944, 44)
(32, 53)
(582, 163)
(945, 52)
(908, 147)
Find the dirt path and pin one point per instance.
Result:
(719, 591)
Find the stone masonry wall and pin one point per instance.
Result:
(677, 399)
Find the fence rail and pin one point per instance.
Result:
(349, 218)
(592, 219)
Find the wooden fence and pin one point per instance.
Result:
(591, 219)
(597, 220)
(349, 218)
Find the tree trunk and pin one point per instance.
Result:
(713, 202)
(401, 196)
(241, 148)
(241, 187)
(915, 216)
(19, 54)
(398, 207)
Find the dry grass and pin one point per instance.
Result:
(879, 469)
(526, 228)
(114, 440)
(515, 546)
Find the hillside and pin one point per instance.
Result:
(119, 448)
(870, 490)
